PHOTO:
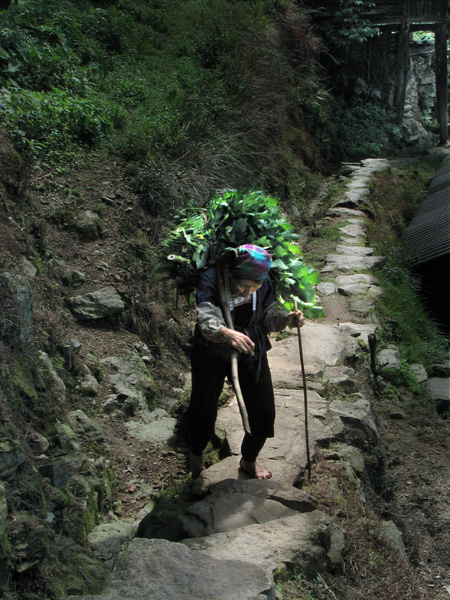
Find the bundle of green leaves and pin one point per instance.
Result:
(232, 218)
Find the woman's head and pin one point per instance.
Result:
(251, 263)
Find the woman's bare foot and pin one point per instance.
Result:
(197, 465)
(255, 470)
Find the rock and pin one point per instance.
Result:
(344, 262)
(28, 269)
(102, 304)
(419, 372)
(327, 346)
(440, 370)
(389, 358)
(37, 443)
(372, 165)
(354, 250)
(84, 427)
(326, 288)
(17, 307)
(439, 388)
(58, 386)
(56, 472)
(356, 278)
(237, 503)
(88, 385)
(227, 512)
(166, 570)
(159, 427)
(132, 383)
(287, 495)
(393, 537)
(292, 541)
(88, 225)
(106, 540)
(363, 306)
(341, 376)
(78, 278)
(29, 538)
(345, 212)
(359, 330)
(353, 456)
(360, 288)
(11, 457)
(354, 230)
(357, 412)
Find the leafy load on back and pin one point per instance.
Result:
(230, 219)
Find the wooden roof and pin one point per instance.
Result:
(389, 12)
(428, 235)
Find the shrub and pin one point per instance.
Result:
(365, 129)
(40, 122)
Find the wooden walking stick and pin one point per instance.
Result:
(222, 277)
(305, 395)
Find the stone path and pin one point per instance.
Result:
(242, 530)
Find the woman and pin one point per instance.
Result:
(251, 297)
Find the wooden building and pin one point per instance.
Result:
(403, 17)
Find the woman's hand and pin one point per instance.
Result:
(295, 319)
(237, 339)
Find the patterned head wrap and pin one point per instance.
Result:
(251, 262)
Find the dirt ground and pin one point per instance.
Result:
(416, 441)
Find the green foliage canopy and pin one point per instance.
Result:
(232, 218)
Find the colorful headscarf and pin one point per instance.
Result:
(252, 262)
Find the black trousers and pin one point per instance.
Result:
(208, 378)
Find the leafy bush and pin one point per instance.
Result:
(349, 25)
(230, 219)
(40, 122)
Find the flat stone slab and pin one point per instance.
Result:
(354, 230)
(285, 454)
(356, 278)
(358, 240)
(363, 306)
(323, 345)
(372, 165)
(345, 212)
(354, 250)
(237, 503)
(362, 289)
(326, 288)
(163, 570)
(285, 542)
(359, 330)
(344, 262)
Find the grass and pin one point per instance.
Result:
(202, 90)
(403, 311)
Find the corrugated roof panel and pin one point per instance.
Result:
(428, 235)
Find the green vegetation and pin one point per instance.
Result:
(349, 26)
(404, 316)
(230, 219)
(365, 129)
(170, 86)
(402, 311)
